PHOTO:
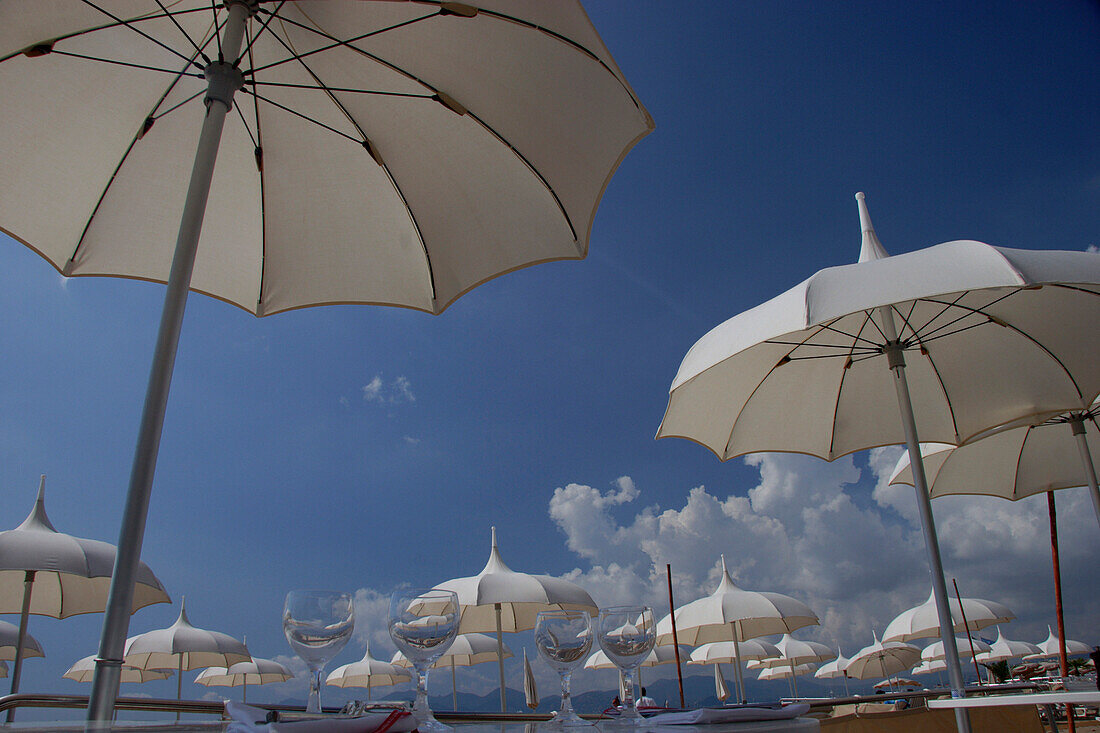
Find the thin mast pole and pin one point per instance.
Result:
(675, 641)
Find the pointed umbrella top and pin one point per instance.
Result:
(1004, 648)
(921, 622)
(1049, 648)
(183, 646)
(870, 248)
(835, 668)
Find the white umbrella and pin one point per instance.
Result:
(467, 650)
(722, 652)
(256, 671)
(9, 643)
(793, 652)
(1003, 648)
(369, 672)
(1051, 647)
(84, 669)
(500, 599)
(734, 614)
(49, 573)
(664, 654)
(782, 673)
(985, 331)
(835, 668)
(896, 682)
(182, 646)
(882, 659)
(922, 622)
(720, 690)
(530, 690)
(928, 667)
(388, 153)
(967, 646)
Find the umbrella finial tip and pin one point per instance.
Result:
(861, 196)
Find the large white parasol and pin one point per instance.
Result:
(882, 659)
(368, 672)
(385, 153)
(181, 647)
(1052, 645)
(49, 573)
(256, 671)
(953, 339)
(922, 622)
(835, 668)
(84, 669)
(500, 599)
(734, 614)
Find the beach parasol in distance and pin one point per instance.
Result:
(368, 672)
(1004, 648)
(467, 650)
(835, 668)
(882, 659)
(49, 573)
(367, 152)
(734, 614)
(1050, 647)
(84, 669)
(922, 622)
(967, 646)
(944, 342)
(502, 600)
(793, 652)
(181, 647)
(256, 671)
(9, 643)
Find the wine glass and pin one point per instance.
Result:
(317, 624)
(564, 639)
(423, 624)
(627, 635)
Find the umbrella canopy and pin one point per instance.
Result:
(882, 659)
(49, 573)
(256, 671)
(782, 673)
(793, 652)
(369, 672)
(467, 650)
(835, 668)
(832, 350)
(720, 690)
(1004, 648)
(722, 652)
(935, 651)
(896, 682)
(734, 614)
(84, 669)
(530, 689)
(501, 599)
(922, 622)
(389, 153)
(665, 654)
(1049, 647)
(9, 643)
(928, 667)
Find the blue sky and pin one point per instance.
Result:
(360, 448)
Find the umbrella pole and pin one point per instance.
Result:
(738, 677)
(1078, 425)
(896, 360)
(675, 641)
(500, 658)
(794, 682)
(225, 79)
(454, 685)
(179, 683)
(1063, 663)
(966, 626)
(244, 695)
(24, 617)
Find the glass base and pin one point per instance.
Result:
(630, 718)
(568, 719)
(431, 724)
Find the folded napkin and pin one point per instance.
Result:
(249, 719)
(730, 714)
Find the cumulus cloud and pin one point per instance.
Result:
(393, 392)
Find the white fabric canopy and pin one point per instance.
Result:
(256, 671)
(782, 673)
(82, 671)
(467, 650)
(369, 672)
(882, 659)
(1049, 647)
(934, 651)
(921, 622)
(436, 160)
(9, 642)
(665, 654)
(722, 652)
(1004, 648)
(182, 646)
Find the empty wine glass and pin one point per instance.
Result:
(423, 624)
(627, 635)
(564, 639)
(317, 624)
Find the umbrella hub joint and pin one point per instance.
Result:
(223, 82)
(895, 353)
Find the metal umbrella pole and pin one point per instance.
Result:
(1077, 422)
(224, 80)
(896, 360)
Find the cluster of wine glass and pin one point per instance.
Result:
(423, 623)
(625, 633)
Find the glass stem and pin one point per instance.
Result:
(420, 710)
(628, 689)
(314, 705)
(566, 697)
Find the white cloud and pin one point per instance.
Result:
(411, 441)
(395, 392)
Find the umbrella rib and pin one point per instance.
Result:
(288, 85)
(186, 35)
(130, 24)
(303, 116)
(117, 62)
(252, 38)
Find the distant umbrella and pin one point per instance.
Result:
(466, 651)
(664, 654)
(720, 689)
(530, 691)
(1049, 647)
(937, 665)
(46, 572)
(1004, 648)
(9, 642)
(84, 669)
(181, 647)
(793, 652)
(722, 652)
(897, 682)
(368, 672)
(882, 659)
(934, 651)
(500, 599)
(922, 622)
(3, 669)
(256, 671)
(834, 669)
